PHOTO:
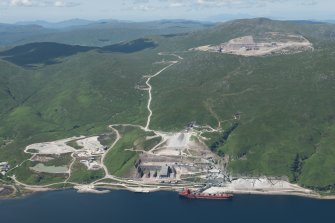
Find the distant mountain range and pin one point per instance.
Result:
(57, 25)
(228, 17)
(92, 33)
(72, 23)
(330, 21)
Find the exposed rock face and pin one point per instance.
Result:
(262, 45)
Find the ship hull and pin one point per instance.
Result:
(206, 196)
(187, 193)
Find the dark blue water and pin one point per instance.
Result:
(161, 207)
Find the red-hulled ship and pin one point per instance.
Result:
(187, 193)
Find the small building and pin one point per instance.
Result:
(164, 172)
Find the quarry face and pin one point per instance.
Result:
(270, 43)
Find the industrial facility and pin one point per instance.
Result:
(4, 168)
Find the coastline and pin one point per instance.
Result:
(237, 192)
(241, 186)
(28, 191)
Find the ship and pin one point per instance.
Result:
(187, 193)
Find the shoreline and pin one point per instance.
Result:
(237, 192)
(28, 191)
(239, 186)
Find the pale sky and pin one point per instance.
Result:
(140, 10)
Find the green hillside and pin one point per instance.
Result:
(80, 95)
(285, 103)
(47, 53)
(101, 33)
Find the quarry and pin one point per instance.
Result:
(270, 43)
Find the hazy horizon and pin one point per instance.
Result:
(152, 20)
(12, 11)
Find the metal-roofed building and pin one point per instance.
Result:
(164, 172)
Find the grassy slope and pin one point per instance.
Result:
(82, 95)
(26, 175)
(318, 170)
(120, 161)
(286, 102)
(80, 174)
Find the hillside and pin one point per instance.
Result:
(284, 103)
(47, 53)
(100, 33)
(276, 111)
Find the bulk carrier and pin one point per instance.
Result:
(187, 193)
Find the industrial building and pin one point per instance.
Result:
(165, 171)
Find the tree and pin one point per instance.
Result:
(296, 167)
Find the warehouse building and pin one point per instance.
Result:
(165, 171)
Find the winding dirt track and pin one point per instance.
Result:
(150, 89)
(118, 137)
